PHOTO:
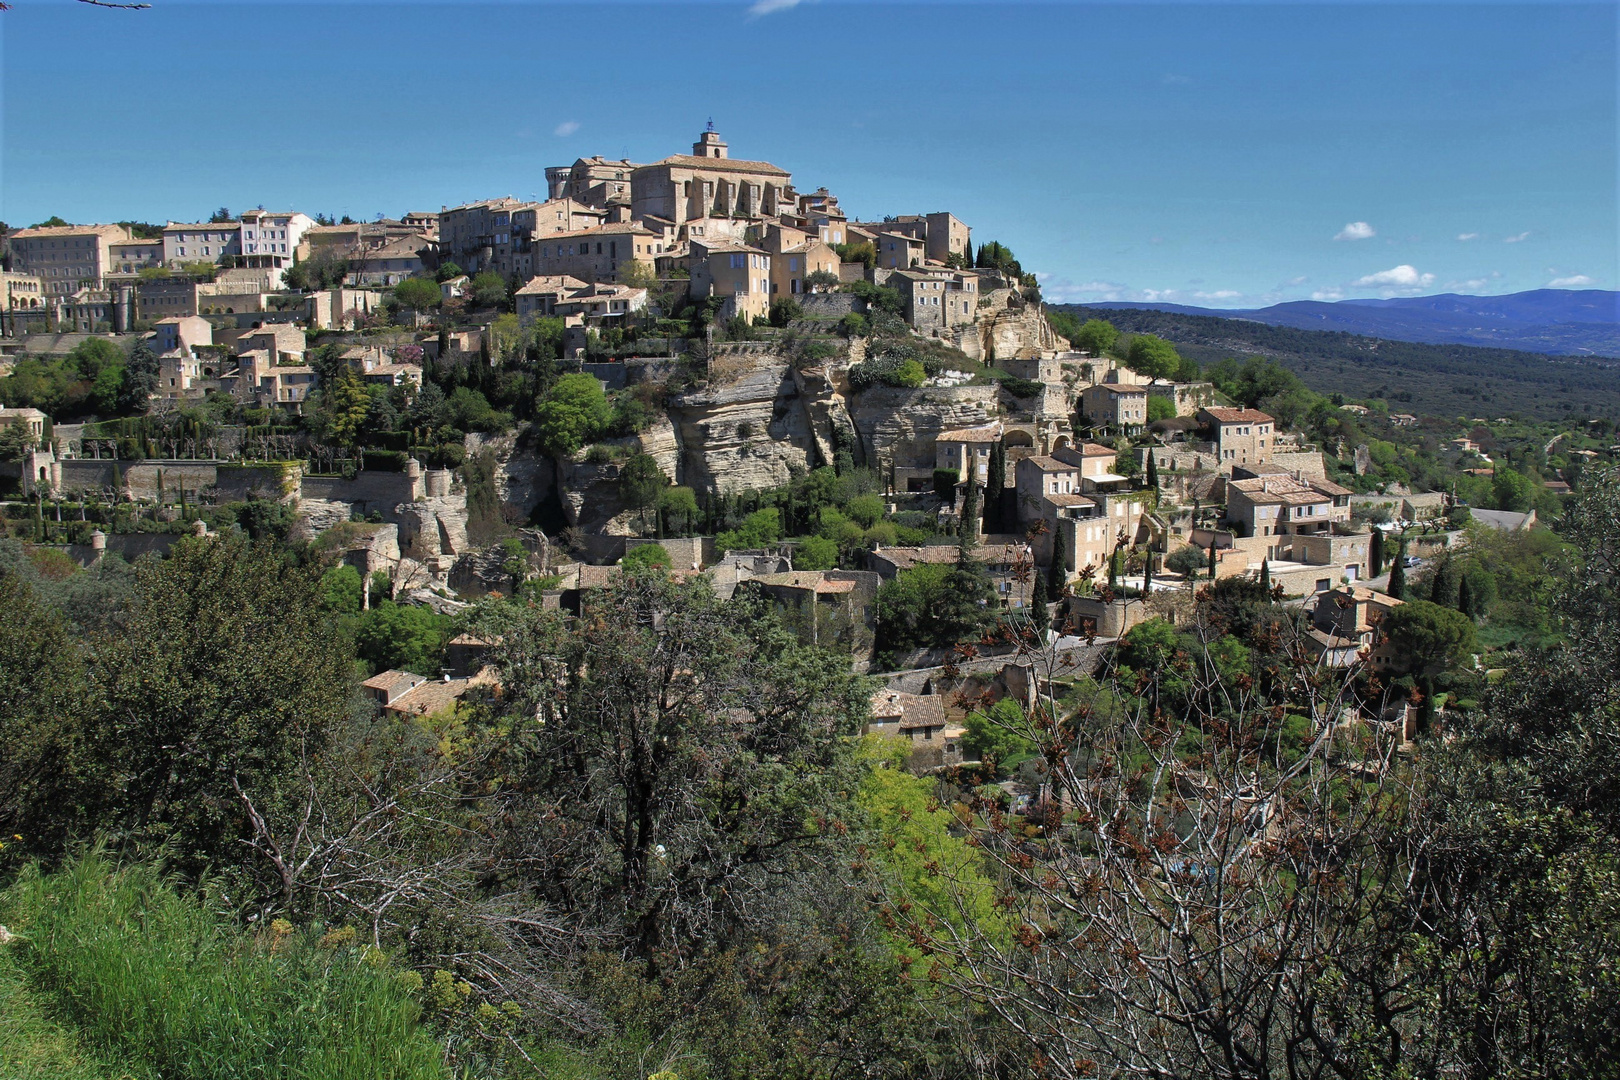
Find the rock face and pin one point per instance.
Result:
(747, 430)
(897, 426)
(523, 478)
(315, 516)
(1006, 330)
(433, 528)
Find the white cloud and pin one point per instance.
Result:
(1218, 294)
(565, 129)
(1357, 230)
(770, 7)
(1467, 236)
(1328, 294)
(1294, 281)
(1467, 286)
(1516, 239)
(1573, 281)
(1404, 276)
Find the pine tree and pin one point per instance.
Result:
(1397, 573)
(1375, 554)
(1058, 575)
(1152, 471)
(995, 487)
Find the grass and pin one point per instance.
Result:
(34, 1045)
(150, 976)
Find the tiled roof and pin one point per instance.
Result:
(1092, 449)
(807, 579)
(1238, 416)
(548, 283)
(988, 433)
(614, 227)
(392, 678)
(1121, 388)
(1051, 464)
(1069, 500)
(939, 554)
(690, 161)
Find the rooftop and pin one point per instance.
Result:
(1237, 416)
(690, 161)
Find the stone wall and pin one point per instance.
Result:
(829, 305)
(373, 489)
(139, 477)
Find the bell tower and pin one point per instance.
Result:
(709, 144)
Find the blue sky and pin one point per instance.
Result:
(1212, 153)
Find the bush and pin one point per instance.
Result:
(815, 553)
(155, 976)
(945, 481)
(853, 325)
(1160, 408)
(1187, 560)
(643, 556)
(1021, 388)
(785, 311)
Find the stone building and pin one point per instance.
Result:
(1241, 436)
(1114, 405)
(708, 182)
(595, 254)
(593, 181)
(1280, 504)
(937, 299)
(66, 258)
(737, 272)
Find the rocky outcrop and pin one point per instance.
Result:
(747, 430)
(479, 572)
(1007, 327)
(897, 426)
(315, 516)
(523, 478)
(827, 414)
(432, 529)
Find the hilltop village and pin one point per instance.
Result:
(688, 362)
(678, 630)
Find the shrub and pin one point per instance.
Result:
(643, 556)
(853, 325)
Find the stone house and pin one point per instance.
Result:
(795, 255)
(1114, 405)
(1010, 566)
(593, 182)
(828, 607)
(897, 251)
(737, 272)
(595, 254)
(66, 258)
(540, 297)
(1345, 621)
(937, 299)
(390, 264)
(1241, 436)
(1279, 504)
(958, 449)
(920, 720)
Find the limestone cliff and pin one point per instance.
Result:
(747, 429)
(897, 426)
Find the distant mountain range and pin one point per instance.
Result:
(1563, 322)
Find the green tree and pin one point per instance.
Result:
(418, 294)
(140, 378)
(865, 510)
(641, 482)
(1186, 561)
(1149, 645)
(1511, 490)
(228, 673)
(408, 637)
(816, 553)
(785, 310)
(1040, 614)
(489, 290)
(645, 556)
(968, 531)
(573, 412)
(1152, 471)
(932, 606)
(1097, 337)
(1397, 572)
(1152, 356)
(446, 271)
(996, 734)
(1375, 553)
(341, 589)
(759, 529)
(995, 487)
(345, 404)
(16, 440)
(678, 508)
(1429, 638)
(1160, 407)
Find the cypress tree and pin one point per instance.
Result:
(1397, 572)
(1153, 471)
(1465, 598)
(996, 487)
(1375, 554)
(1212, 560)
(1058, 576)
(1040, 615)
(1113, 569)
(968, 533)
(1147, 574)
(1265, 574)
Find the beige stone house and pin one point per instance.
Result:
(708, 182)
(1241, 436)
(1114, 405)
(739, 273)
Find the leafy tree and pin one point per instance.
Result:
(932, 606)
(785, 310)
(994, 734)
(910, 373)
(1097, 337)
(16, 440)
(1511, 490)
(418, 294)
(341, 589)
(1160, 407)
(691, 755)
(220, 216)
(574, 411)
(759, 529)
(678, 508)
(1149, 645)
(1152, 356)
(645, 556)
(816, 553)
(489, 290)
(446, 271)
(229, 670)
(52, 222)
(403, 636)
(140, 378)
(344, 406)
(853, 325)
(865, 510)
(641, 482)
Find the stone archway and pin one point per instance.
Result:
(1062, 442)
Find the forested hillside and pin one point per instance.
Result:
(1436, 380)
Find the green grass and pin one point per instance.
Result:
(34, 1045)
(150, 976)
